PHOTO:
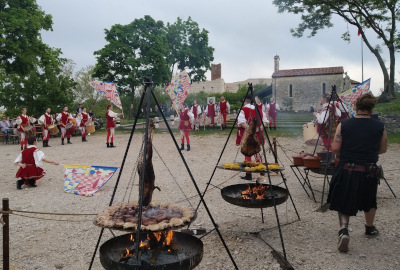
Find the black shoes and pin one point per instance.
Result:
(32, 183)
(112, 145)
(371, 230)
(247, 177)
(182, 146)
(20, 182)
(62, 141)
(108, 145)
(188, 147)
(344, 239)
(69, 141)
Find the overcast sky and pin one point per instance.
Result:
(245, 35)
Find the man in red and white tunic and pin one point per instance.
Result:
(196, 111)
(210, 112)
(246, 114)
(186, 118)
(224, 108)
(46, 120)
(22, 121)
(83, 117)
(30, 162)
(272, 108)
(64, 118)
(110, 127)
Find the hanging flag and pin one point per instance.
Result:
(350, 96)
(178, 89)
(109, 91)
(85, 180)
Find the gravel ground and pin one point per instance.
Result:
(310, 242)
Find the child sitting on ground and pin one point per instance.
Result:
(30, 162)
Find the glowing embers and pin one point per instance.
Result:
(167, 250)
(155, 243)
(255, 192)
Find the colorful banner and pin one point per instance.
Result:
(85, 180)
(178, 89)
(350, 96)
(109, 91)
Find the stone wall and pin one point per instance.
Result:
(392, 122)
(306, 90)
(219, 85)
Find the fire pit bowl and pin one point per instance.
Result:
(187, 256)
(233, 194)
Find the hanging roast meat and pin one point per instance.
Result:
(250, 143)
(149, 176)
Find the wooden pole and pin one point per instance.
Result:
(275, 150)
(6, 235)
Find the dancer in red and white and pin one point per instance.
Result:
(272, 108)
(211, 113)
(46, 120)
(186, 118)
(30, 162)
(64, 118)
(110, 127)
(224, 108)
(22, 121)
(196, 111)
(262, 113)
(83, 117)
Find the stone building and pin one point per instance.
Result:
(299, 89)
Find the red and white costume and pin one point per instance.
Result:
(32, 158)
(247, 113)
(186, 118)
(83, 118)
(196, 111)
(224, 108)
(210, 112)
(272, 109)
(64, 118)
(322, 117)
(110, 127)
(23, 121)
(45, 120)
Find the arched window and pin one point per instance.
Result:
(290, 90)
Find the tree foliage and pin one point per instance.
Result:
(32, 72)
(379, 16)
(146, 47)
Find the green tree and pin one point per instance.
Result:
(134, 52)
(147, 47)
(379, 16)
(32, 72)
(188, 49)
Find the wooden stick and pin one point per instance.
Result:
(6, 235)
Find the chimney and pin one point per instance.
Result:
(276, 62)
(215, 71)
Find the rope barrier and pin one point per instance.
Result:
(44, 213)
(53, 219)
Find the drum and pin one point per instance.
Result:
(53, 129)
(70, 128)
(29, 131)
(90, 127)
(117, 122)
(310, 134)
(73, 120)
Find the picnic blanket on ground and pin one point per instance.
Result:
(86, 180)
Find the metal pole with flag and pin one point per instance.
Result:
(109, 91)
(178, 89)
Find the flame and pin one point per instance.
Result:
(127, 254)
(168, 238)
(257, 192)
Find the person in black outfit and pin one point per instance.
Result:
(354, 185)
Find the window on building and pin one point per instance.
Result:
(290, 90)
(323, 88)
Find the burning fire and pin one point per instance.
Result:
(257, 192)
(155, 242)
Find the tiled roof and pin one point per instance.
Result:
(354, 82)
(308, 72)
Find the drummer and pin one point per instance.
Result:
(64, 118)
(22, 121)
(46, 120)
(110, 127)
(83, 118)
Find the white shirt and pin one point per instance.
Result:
(38, 155)
(276, 106)
(42, 119)
(242, 117)
(323, 115)
(190, 114)
(206, 110)
(112, 114)
(198, 110)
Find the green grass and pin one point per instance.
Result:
(394, 138)
(389, 107)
